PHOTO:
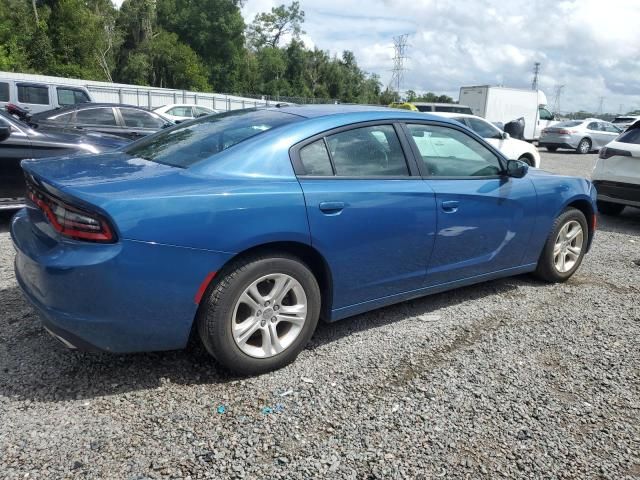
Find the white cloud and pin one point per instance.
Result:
(590, 46)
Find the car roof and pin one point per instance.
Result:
(438, 104)
(377, 112)
(81, 106)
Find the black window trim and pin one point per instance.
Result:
(474, 136)
(410, 161)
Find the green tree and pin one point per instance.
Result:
(268, 28)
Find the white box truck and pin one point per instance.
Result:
(502, 104)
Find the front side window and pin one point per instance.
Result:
(180, 112)
(315, 159)
(140, 119)
(71, 96)
(610, 128)
(96, 116)
(200, 111)
(447, 152)
(200, 139)
(368, 151)
(484, 129)
(35, 94)
(4, 92)
(545, 114)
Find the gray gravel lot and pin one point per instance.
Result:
(508, 379)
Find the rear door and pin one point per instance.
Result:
(139, 123)
(370, 214)
(597, 134)
(485, 219)
(98, 119)
(12, 151)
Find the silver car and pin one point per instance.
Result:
(624, 121)
(583, 136)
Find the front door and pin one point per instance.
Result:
(485, 218)
(370, 214)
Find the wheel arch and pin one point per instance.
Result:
(306, 253)
(529, 159)
(586, 207)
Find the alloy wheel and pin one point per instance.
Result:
(568, 246)
(269, 315)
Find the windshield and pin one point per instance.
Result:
(191, 142)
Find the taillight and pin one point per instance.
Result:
(71, 221)
(608, 152)
(564, 131)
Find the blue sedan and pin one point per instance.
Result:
(248, 227)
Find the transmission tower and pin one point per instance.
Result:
(556, 100)
(399, 56)
(600, 105)
(536, 71)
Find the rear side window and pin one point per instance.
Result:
(4, 92)
(180, 112)
(630, 136)
(140, 119)
(71, 96)
(200, 139)
(35, 94)
(315, 159)
(96, 116)
(368, 151)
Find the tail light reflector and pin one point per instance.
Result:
(608, 152)
(71, 221)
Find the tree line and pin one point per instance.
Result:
(201, 45)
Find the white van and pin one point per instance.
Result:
(38, 97)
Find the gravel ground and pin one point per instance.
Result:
(508, 379)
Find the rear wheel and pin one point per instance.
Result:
(607, 208)
(584, 146)
(565, 247)
(551, 149)
(260, 314)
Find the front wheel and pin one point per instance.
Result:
(607, 208)
(260, 314)
(565, 247)
(551, 149)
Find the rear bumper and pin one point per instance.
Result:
(543, 143)
(124, 297)
(617, 192)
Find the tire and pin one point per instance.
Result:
(584, 146)
(551, 149)
(551, 266)
(528, 160)
(223, 307)
(608, 208)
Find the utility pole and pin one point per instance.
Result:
(399, 56)
(536, 72)
(556, 100)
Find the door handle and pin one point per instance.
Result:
(450, 206)
(331, 208)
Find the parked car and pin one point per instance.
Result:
(583, 136)
(113, 118)
(509, 146)
(179, 112)
(37, 97)
(622, 122)
(19, 141)
(616, 174)
(250, 225)
(431, 107)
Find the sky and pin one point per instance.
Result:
(592, 47)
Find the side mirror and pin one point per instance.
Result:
(505, 136)
(516, 168)
(5, 132)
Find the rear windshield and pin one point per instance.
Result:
(453, 109)
(630, 136)
(623, 120)
(572, 123)
(186, 144)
